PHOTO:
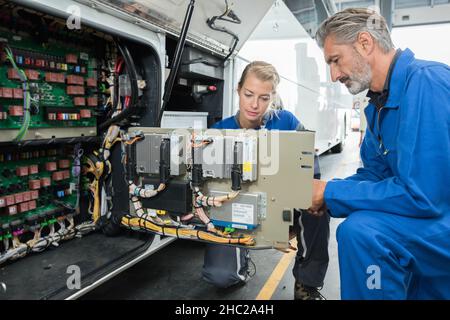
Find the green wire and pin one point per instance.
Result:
(27, 99)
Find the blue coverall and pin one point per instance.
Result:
(395, 242)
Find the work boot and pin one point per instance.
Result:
(302, 292)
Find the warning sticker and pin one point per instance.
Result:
(242, 213)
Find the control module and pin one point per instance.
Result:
(236, 187)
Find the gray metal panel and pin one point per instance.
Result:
(147, 154)
(213, 159)
(199, 68)
(229, 145)
(168, 16)
(228, 212)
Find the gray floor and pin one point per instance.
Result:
(174, 273)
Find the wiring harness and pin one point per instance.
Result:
(26, 96)
(147, 219)
(38, 243)
(228, 16)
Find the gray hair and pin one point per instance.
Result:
(347, 24)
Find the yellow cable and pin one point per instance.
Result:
(185, 233)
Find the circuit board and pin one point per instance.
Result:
(37, 183)
(62, 83)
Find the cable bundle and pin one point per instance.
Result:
(26, 97)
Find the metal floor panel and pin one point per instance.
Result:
(44, 275)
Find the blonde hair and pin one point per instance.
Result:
(347, 24)
(263, 71)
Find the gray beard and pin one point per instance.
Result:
(360, 82)
(362, 77)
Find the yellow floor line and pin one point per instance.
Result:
(277, 274)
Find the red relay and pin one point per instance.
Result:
(55, 77)
(71, 58)
(10, 200)
(73, 79)
(79, 101)
(23, 207)
(63, 163)
(34, 184)
(85, 113)
(32, 74)
(26, 196)
(32, 205)
(65, 174)
(57, 176)
(7, 92)
(75, 90)
(13, 74)
(50, 166)
(15, 111)
(18, 197)
(91, 82)
(92, 101)
(17, 93)
(34, 194)
(45, 182)
(33, 169)
(21, 171)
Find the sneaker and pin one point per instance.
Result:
(302, 292)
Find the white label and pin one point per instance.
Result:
(2, 202)
(84, 56)
(242, 213)
(239, 226)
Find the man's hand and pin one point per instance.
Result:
(318, 206)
